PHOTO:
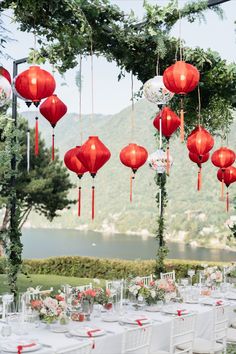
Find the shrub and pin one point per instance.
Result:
(91, 267)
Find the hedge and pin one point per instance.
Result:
(91, 267)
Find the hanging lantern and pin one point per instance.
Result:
(227, 177)
(155, 91)
(169, 123)
(158, 161)
(73, 164)
(199, 160)
(4, 72)
(93, 154)
(34, 84)
(223, 158)
(53, 109)
(181, 78)
(133, 156)
(5, 91)
(200, 141)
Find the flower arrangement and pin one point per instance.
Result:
(213, 276)
(50, 308)
(95, 296)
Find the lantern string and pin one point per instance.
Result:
(132, 111)
(92, 84)
(158, 64)
(227, 201)
(180, 36)
(80, 100)
(93, 202)
(35, 47)
(132, 177)
(28, 150)
(36, 147)
(53, 145)
(79, 199)
(160, 129)
(199, 105)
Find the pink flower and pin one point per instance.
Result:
(36, 304)
(108, 292)
(152, 283)
(59, 298)
(90, 292)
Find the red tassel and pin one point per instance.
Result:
(93, 202)
(222, 186)
(131, 188)
(199, 179)
(168, 159)
(79, 202)
(53, 146)
(181, 120)
(227, 201)
(36, 138)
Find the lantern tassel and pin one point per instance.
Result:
(160, 201)
(199, 179)
(93, 202)
(53, 146)
(227, 201)
(79, 201)
(28, 150)
(36, 139)
(160, 130)
(131, 188)
(168, 158)
(182, 119)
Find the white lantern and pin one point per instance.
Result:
(155, 91)
(158, 161)
(5, 91)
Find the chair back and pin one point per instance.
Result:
(6, 300)
(146, 280)
(169, 275)
(137, 339)
(182, 333)
(220, 324)
(35, 294)
(81, 348)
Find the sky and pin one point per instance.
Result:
(111, 96)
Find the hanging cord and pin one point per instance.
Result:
(79, 196)
(80, 100)
(199, 106)
(132, 108)
(92, 84)
(28, 150)
(158, 64)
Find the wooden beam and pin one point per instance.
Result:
(216, 2)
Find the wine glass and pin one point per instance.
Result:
(191, 273)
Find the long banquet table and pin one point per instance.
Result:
(110, 343)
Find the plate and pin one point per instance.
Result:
(191, 301)
(174, 311)
(12, 347)
(83, 332)
(231, 296)
(59, 329)
(135, 320)
(107, 318)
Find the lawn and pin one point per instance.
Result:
(46, 281)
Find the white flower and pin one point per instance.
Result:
(153, 293)
(140, 298)
(43, 311)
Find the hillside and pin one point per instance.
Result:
(195, 217)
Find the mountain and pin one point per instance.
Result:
(195, 217)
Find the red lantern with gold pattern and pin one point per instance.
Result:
(93, 154)
(133, 156)
(181, 78)
(223, 158)
(53, 109)
(167, 122)
(73, 164)
(200, 141)
(199, 161)
(227, 177)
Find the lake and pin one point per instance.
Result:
(42, 243)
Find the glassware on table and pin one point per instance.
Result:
(6, 330)
(191, 273)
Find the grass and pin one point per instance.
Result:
(46, 281)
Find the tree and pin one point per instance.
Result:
(43, 190)
(96, 26)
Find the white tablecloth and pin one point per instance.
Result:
(111, 342)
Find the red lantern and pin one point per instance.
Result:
(227, 177)
(53, 109)
(167, 122)
(199, 160)
(181, 78)
(34, 84)
(223, 158)
(73, 164)
(93, 154)
(5, 73)
(200, 141)
(133, 156)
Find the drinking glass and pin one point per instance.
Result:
(191, 273)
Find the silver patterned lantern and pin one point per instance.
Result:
(155, 91)
(158, 161)
(5, 91)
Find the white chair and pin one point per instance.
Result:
(81, 348)
(136, 339)
(169, 275)
(182, 334)
(217, 342)
(146, 280)
(35, 294)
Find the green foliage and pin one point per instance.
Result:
(104, 268)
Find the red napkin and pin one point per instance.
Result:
(90, 333)
(219, 302)
(21, 347)
(139, 321)
(180, 312)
